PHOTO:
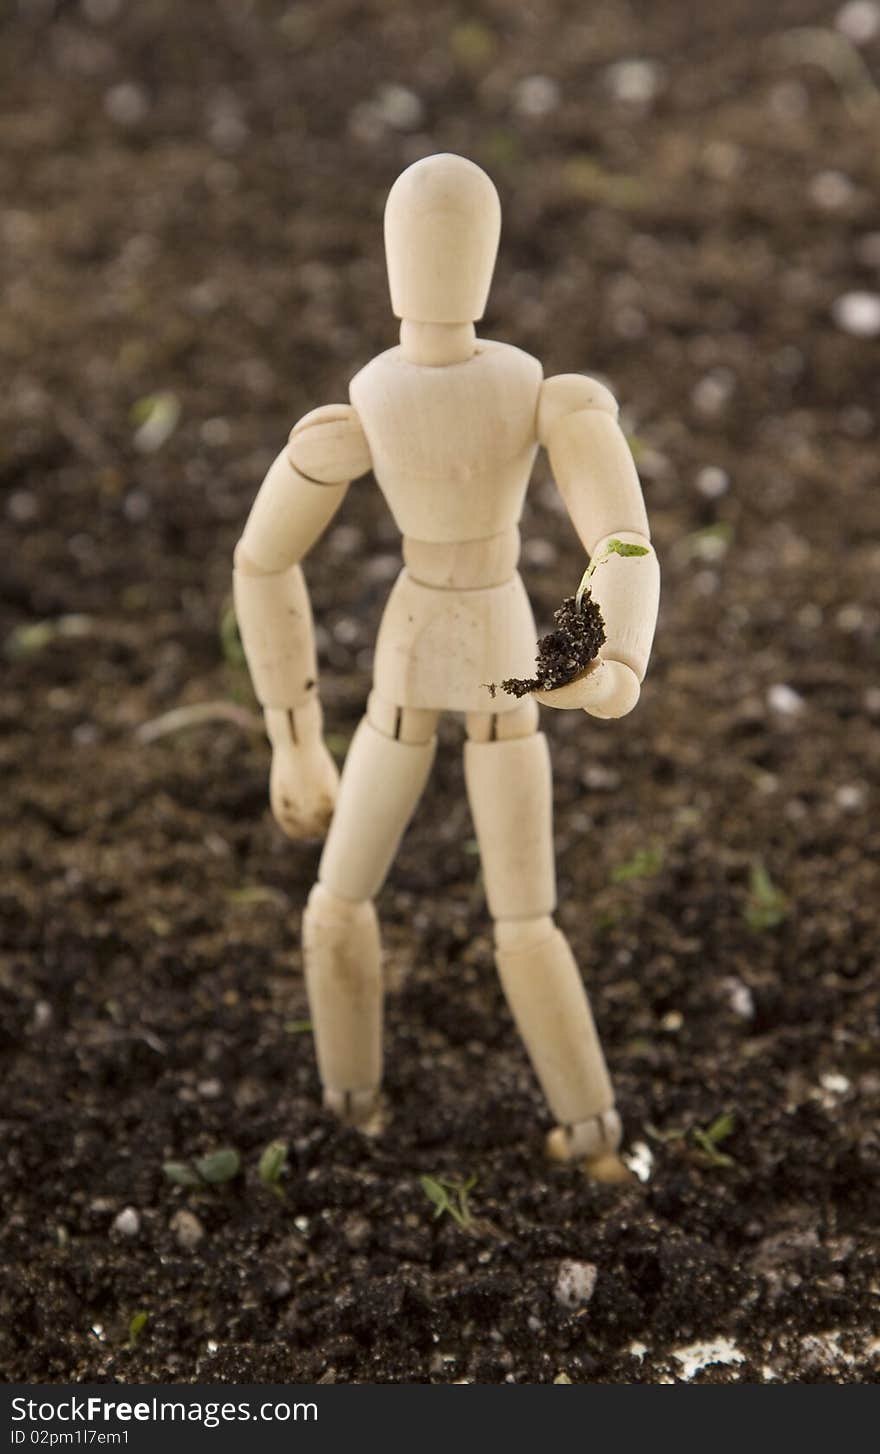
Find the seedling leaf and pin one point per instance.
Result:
(612, 547)
(219, 1166)
(136, 1327)
(449, 1197)
(181, 1174)
(645, 863)
(767, 906)
(272, 1163)
(708, 1139)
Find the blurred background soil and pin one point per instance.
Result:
(192, 258)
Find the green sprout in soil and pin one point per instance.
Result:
(271, 1166)
(709, 1139)
(614, 547)
(212, 1169)
(136, 1327)
(766, 906)
(645, 863)
(449, 1197)
(297, 1027)
(230, 637)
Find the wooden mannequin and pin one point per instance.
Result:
(450, 425)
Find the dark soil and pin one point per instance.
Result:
(192, 205)
(578, 633)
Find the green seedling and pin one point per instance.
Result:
(766, 906)
(230, 638)
(220, 1166)
(614, 547)
(449, 1197)
(212, 1169)
(645, 863)
(136, 1327)
(297, 1027)
(271, 1166)
(180, 1174)
(709, 1139)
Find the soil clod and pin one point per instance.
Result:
(565, 651)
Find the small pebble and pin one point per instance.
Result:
(576, 1283)
(536, 96)
(785, 700)
(850, 797)
(126, 104)
(400, 108)
(831, 190)
(187, 1229)
(713, 482)
(858, 314)
(859, 21)
(127, 1223)
(637, 82)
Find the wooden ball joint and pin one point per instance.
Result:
(450, 425)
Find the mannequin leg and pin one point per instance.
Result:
(384, 774)
(507, 770)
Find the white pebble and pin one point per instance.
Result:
(635, 81)
(126, 104)
(576, 1283)
(740, 998)
(850, 797)
(640, 1160)
(127, 1223)
(712, 392)
(400, 108)
(536, 96)
(858, 20)
(858, 314)
(785, 700)
(187, 1229)
(834, 1082)
(831, 190)
(22, 507)
(713, 482)
(697, 1356)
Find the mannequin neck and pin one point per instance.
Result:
(436, 344)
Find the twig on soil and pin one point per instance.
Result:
(838, 57)
(181, 718)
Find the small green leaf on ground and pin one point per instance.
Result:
(230, 639)
(337, 743)
(645, 863)
(449, 1197)
(156, 416)
(272, 1163)
(181, 1174)
(297, 1027)
(136, 1327)
(219, 1166)
(766, 906)
(710, 1138)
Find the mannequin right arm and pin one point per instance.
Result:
(298, 498)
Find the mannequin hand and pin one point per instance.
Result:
(303, 781)
(605, 689)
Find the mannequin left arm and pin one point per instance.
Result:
(596, 476)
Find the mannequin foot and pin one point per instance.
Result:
(594, 1143)
(362, 1109)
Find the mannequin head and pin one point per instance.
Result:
(442, 224)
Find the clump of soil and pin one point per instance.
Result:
(565, 651)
